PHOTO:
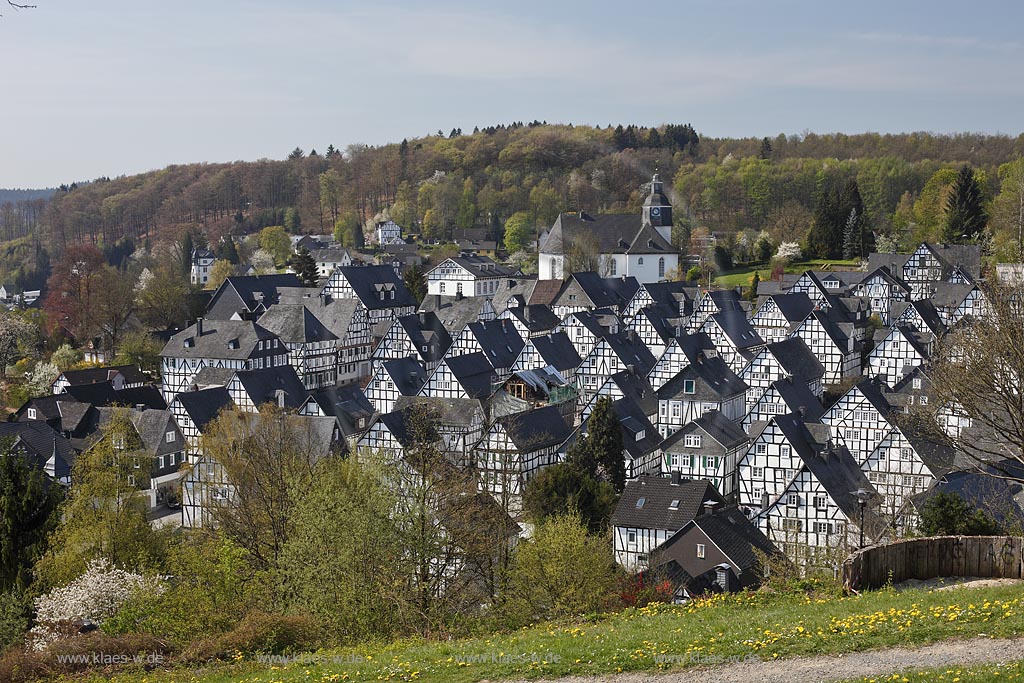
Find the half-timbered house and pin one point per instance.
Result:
(393, 378)
(707, 448)
(468, 274)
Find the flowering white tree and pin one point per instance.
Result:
(263, 262)
(788, 251)
(95, 596)
(41, 378)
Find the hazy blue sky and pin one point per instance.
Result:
(107, 87)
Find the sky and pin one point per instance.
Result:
(92, 88)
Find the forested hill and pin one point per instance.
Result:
(439, 183)
(11, 196)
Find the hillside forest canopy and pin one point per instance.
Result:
(795, 188)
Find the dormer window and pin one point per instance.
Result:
(640, 435)
(674, 505)
(31, 413)
(689, 386)
(640, 503)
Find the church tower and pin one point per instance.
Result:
(657, 210)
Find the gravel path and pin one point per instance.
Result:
(834, 667)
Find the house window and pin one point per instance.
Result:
(687, 460)
(710, 462)
(761, 449)
(661, 267)
(924, 400)
(170, 437)
(757, 472)
(442, 288)
(823, 528)
(785, 451)
(674, 505)
(700, 551)
(689, 386)
(693, 440)
(640, 261)
(906, 454)
(917, 382)
(31, 413)
(820, 502)
(673, 459)
(640, 435)
(676, 410)
(631, 538)
(793, 524)
(611, 266)
(793, 499)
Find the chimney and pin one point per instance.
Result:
(423, 319)
(677, 477)
(279, 394)
(199, 327)
(140, 407)
(709, 506)
(458, 295)
(437, 302)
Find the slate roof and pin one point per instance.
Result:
(535, 317)
(737, 328)
(203, 406)
(985, 488)
(473, 373)
(950, 294)
(131, 373)
(104, 394)
(557, 350)
(737, 537)
(210, 376)
(454, 312)
(348, 404)
(966, 257)
(536, 429)
(478, 266)
(446, 412)
(631, 350)
(796, 358)
(426, 329)
(714, 381)
(253, 291)
(365, 280)
(295, 324)
(543, 292)
(500, 341)
(799, 398)
(721, 429)
(213, 343)
(637, 389)
(671, 293)
(615, 234)
(925, 308)
(634, 420)
(658, 494)
(834, 467)
(41, 442)
(407, 374)
(262, 385)
(794, 306)
(894, 262)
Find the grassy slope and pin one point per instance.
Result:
(1013, 671)
(741, 276)
(656, 637)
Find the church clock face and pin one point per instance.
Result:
(655, 211)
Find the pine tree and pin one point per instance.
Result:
(600, 451)
(851, 236)
(305, 267)
(754, 282)
(415, 282)
(27, 505)
(965, 211)
(228, 251)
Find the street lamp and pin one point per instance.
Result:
(863, 495)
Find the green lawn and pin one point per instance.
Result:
(1012, 671)
(741, 276)
(654, 637)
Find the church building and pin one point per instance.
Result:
(625, 246)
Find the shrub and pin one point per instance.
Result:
(96, 595)
(14, 619)
(259, 632)
(21, 664)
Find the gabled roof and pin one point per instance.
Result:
(893, 278)
(263, 386)
(597, 291)
(228, 339)
(894, 262)
(615, 234)
(634, 421)
(925, 308)
(476, 265)
(799, 398)
(295, 324)
(407, 374)
(631, 350)
(713, 381)
(203, 406)
(454, 312)
(255, 291)
(557, 350)
(499, 340)
(636, 389)
(348, 405)
(41, 443)
(536, 429)
(735, 325)
(833, 466)
(535, 317)
(426, 329)
(965, 257)
(737, 537)
(672, 292)
(131, 374)
(473, 372)
(658, 495)
(368, 281)
(446, 412)
(716, 426)
(794, 306)
(797, 359)
(951, 294)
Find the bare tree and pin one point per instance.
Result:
(978, 375)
